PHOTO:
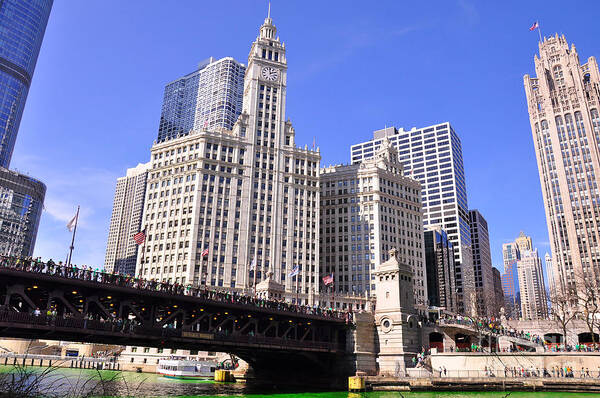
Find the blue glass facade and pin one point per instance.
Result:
(21, 204)
(208, 99)
(22, 27)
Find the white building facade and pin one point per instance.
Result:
(433, 156)
(368, 209)
(126, 220)
(226, 208)
(533, 289)
(550, 274)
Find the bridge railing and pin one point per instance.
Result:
(57, 357)
(496, 330)
(207, 293)
(163, 332)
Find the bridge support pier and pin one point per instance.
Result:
(360, 342)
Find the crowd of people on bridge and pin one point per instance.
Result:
(87, 273)
(489, 326)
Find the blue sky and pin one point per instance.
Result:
(354, 66)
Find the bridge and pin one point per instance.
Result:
(463, 331)
(57, 303)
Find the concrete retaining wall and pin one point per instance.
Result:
(474, 364)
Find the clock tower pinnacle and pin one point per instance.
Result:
(282, 205)
(268, 30)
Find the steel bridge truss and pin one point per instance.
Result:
(35, 305)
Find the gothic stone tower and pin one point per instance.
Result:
(283, 208)
(563, 105)
(220, 201)
(395, 315)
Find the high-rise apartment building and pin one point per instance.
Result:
(208, 99)
(510, 288)
(511, 254)
(22, 27)
(533, 290)
(126, 220)
(229, 208)
(368, 209)
(523, 242)
(21, 204)
(563, 104)
(433, 156)
(439, 263)
(482, 264)
(498, 292)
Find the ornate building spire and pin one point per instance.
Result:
(268, 30)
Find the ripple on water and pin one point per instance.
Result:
(121, 384)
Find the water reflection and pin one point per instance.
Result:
(79, 382)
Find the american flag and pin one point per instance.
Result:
(140, 237)
(534, 26)
(204, 253)
(295, 271)
(328, 280)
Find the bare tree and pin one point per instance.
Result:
(588, 300)
(564, 309)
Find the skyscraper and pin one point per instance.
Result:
(563, 105)
(231, 208)
(439, 260)
(523, 242)
(482, 264)
(22, 27)
(433, 156)
(21, 204)
(126, 220)
(498, 292)
(533, 290)
(207, 99)
(366, 210)
(511, 254)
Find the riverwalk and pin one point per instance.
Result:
(59, 361)
(383, 383)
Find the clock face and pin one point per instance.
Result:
(269, 73)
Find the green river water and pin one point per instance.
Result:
(75, 383)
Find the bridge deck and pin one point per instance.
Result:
(75, 306)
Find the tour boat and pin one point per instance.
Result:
(186, 369)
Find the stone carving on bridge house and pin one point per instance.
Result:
(396, 319)
(269, 289)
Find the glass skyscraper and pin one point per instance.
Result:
(208, 99)
(21, 203)
(22, 27)
(433, 156)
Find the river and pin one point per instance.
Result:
(79, 383)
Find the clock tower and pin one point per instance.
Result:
(283, 206)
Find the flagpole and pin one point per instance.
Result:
(143, 250)
(245, 278)
(332, 293)
(297, 287)
(254, 282)
(73, 238)
(539, 31)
